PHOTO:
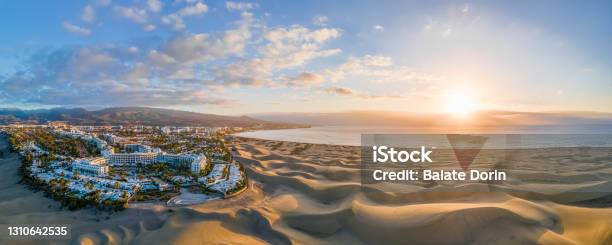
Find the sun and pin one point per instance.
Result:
(460, 104)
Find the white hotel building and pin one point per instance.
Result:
(194, 162)
(91, 166)
(132, 158)
(141, 154)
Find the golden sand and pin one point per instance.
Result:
(310, 194)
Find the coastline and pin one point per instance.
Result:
(352, 136)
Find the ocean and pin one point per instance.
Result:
(525, 137)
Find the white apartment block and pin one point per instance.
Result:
(91, 166)
(195, 162)
(139, 148)
(132, 158)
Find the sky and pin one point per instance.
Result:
(230, 57)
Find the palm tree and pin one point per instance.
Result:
(95, 196)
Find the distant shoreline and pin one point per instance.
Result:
(351, 136)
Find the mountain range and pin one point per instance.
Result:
(163, 117)
(133, 116)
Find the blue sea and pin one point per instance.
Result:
(525, 137)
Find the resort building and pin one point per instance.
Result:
(135, 154)
(132, 158)
(139, 148)
(58, 124)
(91, 166)
(33, 149)
(113, 139)
(194, 162)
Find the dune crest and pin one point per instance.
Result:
(310, 194)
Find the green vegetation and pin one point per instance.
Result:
(163, 171)
(155, 195)
(212, 146)
(53, 143)
(207, 169)
(62, 149)
(202, 189)
(57, 188)
(225, 174)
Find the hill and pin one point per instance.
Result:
(133, 115)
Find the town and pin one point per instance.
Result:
(109, 166)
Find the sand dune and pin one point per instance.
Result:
(311, 194)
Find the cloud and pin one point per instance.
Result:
(430, 24)
(369, 61)
(291, 47)
(132, 13)
(149, 27)
(138, 74)
(250, 73)
(89, 14)
(365, 66)
(447, 32)
(320, 20)
(304, 79)
(133, 49)
(103, 2)
(443, 29)
(161, 59)
(282, 49)
(186, 68)
(466, 8)
(196, 9)
(343, 91)
(379, 28)
(201, 47)
(154, 5)
(125, 96)
(76, 29)
(175, 21)
(380, 69)
(238, 6)
(340, 91)
(98, 76)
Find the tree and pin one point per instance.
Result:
(28, 159)
(95, 196)
(123, 175)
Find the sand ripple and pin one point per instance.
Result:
(301, 194)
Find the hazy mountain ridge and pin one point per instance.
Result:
(132, 115)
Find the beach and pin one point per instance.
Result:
(304, 193)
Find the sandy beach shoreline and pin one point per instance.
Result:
(310, 194)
